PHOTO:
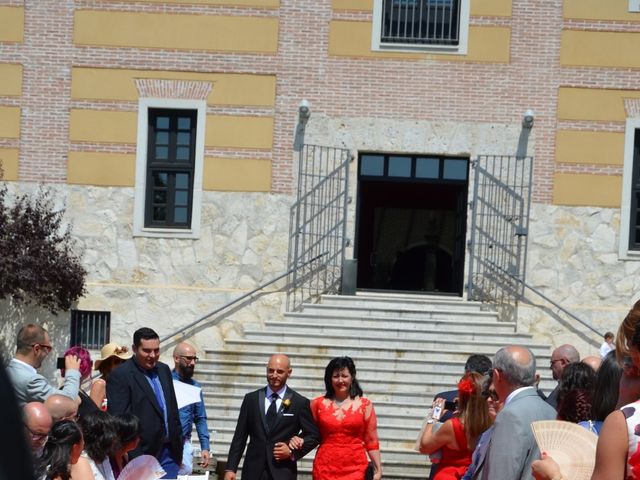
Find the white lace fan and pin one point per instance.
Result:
(144, 467)
(571, 446)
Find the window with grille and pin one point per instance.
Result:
(421, 24)
(170, 168)
(634, 227)
(90, 329)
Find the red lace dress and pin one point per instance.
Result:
(346, 433)
(454, 463)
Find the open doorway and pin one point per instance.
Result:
(411, 223)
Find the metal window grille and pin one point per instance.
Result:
(90, 329)
(421, 22)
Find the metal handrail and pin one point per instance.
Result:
(551, 301)
(235, 301)
(559, 307)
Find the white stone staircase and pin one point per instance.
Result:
(406, 349)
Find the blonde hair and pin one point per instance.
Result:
(625, 333)
(474, 411)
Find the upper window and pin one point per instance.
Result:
(634, 226)
(414, 168)
(90, 329)
(634, 5)
(169, 166)
(421, 24)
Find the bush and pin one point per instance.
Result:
(38, 259)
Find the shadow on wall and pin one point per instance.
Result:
(14, 314)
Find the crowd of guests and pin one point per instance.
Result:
(74, 432)
(89, 430)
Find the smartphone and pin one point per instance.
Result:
(437, 412)
(60, 363)
(451, 406)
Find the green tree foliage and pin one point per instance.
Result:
(39, 262)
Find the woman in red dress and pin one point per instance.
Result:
(457, 437)
(348, 427)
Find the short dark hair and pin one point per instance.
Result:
(478, 363)
(338, 364)
(608, 335)
(100, 436)
(144, 333)
(28, 335)
(127, 427)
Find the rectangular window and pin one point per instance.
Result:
(634, 226)
(634, 5)
(90, 329)
(421, 24)
(170, 168)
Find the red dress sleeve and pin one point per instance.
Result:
(371, 441)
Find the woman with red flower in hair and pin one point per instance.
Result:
(457, 437)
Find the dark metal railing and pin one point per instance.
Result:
(499, 227)
(421, 22)
(317, 234)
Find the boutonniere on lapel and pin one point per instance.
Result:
(286, 403)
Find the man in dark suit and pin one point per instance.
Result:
(271, 416)
(143, 386)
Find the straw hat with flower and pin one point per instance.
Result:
(109, 351)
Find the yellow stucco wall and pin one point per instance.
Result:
(10, 79)
(353, 39)
(587, 190)
(176, 31)
(237, 174)
(12, 24)
(585, 147)
(593, 104)
(239, 3)
(119, 84)
(494, 8)
(598, 10)
(600, 49)
(10, 122)
(9, 163)
(102, 126)
(239, 131)
(103, 169)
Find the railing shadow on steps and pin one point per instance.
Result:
(222, 312)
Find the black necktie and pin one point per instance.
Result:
(272, 413)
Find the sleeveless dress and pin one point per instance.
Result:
(631, 414)
(454, 463)
(345, 436)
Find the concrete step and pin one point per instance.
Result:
(435, 331)
(436, 323)
(401, 300)
(396, 313)
(379, 343)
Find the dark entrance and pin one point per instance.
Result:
(412, 213)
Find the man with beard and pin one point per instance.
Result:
(184, 356)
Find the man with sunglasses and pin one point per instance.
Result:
(185, 359)
(32, 347)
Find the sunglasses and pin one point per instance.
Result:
(490, 394)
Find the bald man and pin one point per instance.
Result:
(37, 422)
(560, 358)
(271, 416)
(185, 359)
(512, 447)
(61, 407)
(593, 361)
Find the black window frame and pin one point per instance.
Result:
(90, 329)
(634, 209)
(441, 179)
(409, 22)
(171, 167)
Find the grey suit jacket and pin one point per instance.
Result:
(512, 447)
(33, 387)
